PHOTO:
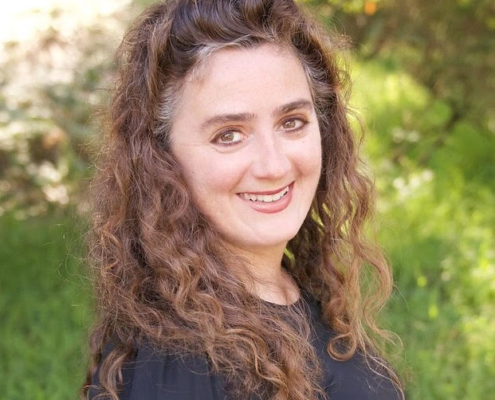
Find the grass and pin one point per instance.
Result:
(44, 309)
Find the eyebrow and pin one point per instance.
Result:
(245, 117)
(294, 105)
(226, 118)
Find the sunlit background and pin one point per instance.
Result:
(423, 86)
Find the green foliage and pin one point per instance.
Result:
(437, 220)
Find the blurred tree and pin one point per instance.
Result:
(446, 45)
(52, 85)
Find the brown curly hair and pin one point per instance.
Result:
(164, 275)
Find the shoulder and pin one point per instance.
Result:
(154, 375)
(357, 378)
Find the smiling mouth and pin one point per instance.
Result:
(265, 198)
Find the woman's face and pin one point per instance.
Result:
(247, 138)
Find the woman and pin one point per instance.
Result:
(230, 206)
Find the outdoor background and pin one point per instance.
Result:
(423, 85)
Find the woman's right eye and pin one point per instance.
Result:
(228, 138)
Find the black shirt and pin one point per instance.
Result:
(151, 375)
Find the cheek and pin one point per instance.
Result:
(309, 158)
(213, 191)
(211, 176)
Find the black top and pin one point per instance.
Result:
(154, 376)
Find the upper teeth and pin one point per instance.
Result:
(265, 198)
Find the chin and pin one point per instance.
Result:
(267, 242)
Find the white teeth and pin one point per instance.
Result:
(265, 198)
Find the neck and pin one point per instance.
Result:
(270, 281)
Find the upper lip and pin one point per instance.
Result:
(268, 192)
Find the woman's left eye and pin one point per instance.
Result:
(293, 124)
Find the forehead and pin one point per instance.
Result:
(244, 78)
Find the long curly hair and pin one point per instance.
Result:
(162, 273)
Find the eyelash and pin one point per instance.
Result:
(217, 138)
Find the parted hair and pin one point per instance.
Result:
(163, 274)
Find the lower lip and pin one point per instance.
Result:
(273, 207)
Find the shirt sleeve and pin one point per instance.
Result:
(153, 376)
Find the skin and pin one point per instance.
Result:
(246, 126)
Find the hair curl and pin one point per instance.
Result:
(163, 274)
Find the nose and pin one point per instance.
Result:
(271, 160)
